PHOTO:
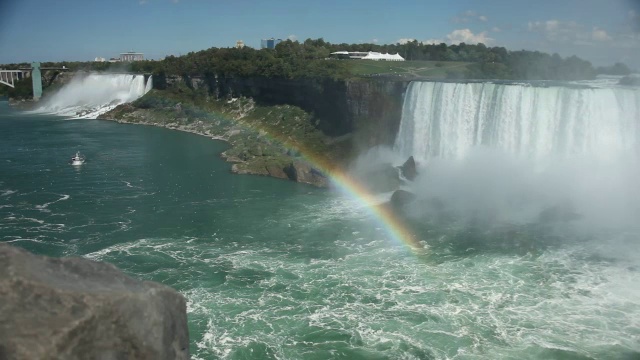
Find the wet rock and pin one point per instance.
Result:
(276, 171)
(301, 171)
(400, 198)
(408, 169)
(73, 308)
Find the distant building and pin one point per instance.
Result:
(270, 43)
(112, 60)
(370, 55)
(239, 44)
(100, 59)
(131, 56)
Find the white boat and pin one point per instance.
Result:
(77, 159)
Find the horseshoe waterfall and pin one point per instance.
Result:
(447, 120)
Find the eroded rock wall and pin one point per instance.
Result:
(369, 109)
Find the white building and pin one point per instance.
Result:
(131, 56)
(100, 59)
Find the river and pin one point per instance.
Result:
(273, 269)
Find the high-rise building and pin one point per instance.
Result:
(269, 43)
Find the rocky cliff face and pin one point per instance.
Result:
(75, 308)
(367, 109)
(375, 109)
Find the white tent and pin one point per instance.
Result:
(385, 57)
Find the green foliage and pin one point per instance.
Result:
(430, 69)
(23, 89)
(308, 59)
(615, 69)
(489, 62)
(153, 100)
(290, 59)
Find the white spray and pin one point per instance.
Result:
(88, 96)
(508, 152)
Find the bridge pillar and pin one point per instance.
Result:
(36, 80)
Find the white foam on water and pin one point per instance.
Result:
(44, 207)
(7, 192)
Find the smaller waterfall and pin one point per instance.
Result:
(149, 85)
(94, 94)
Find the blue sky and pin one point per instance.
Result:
(602, 31)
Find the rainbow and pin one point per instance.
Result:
(394, 226)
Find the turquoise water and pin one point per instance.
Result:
(277, 270)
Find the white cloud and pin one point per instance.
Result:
(458, 36)
(403, 41)
(561, 31)
(292, 37)
(548, 26)
(468, 37)
(600, 35)
(433, 42)
(633, 22)
(375, 41)
(572, 33)
(469, 16)
(142, 2)
(496, 29)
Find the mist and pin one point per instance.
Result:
(497, 187)
(543, 160)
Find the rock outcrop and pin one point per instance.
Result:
(408, 169)
(401, 198)
(370, 109)
(73, 308)
(302, 172)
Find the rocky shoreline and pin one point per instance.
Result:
(250, 151)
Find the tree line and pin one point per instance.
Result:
(309, 59)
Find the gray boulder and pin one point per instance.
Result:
(401, 198)
(73, 308)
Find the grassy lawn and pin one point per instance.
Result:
(435, 69)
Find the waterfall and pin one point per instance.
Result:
(91, 95)
(446, 120)
(149, 85)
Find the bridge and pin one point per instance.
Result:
(9, 77)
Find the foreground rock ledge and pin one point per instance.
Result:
(74, 308)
